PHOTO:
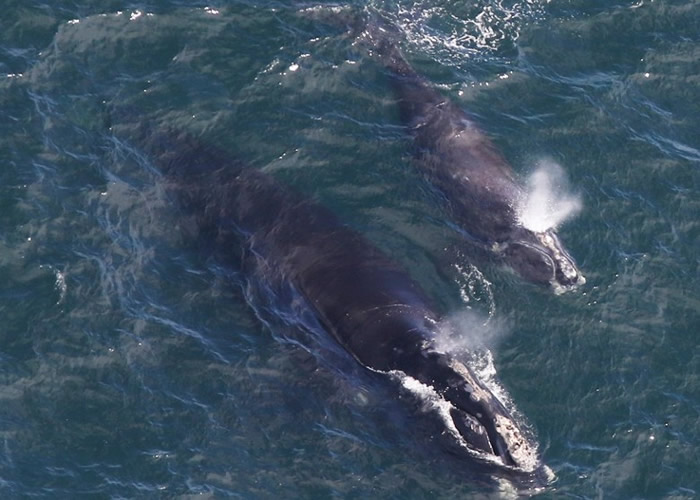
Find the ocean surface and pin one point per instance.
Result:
(134, 366)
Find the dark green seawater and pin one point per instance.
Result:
(131, 366)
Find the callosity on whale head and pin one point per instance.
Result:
(540, 258)
(478, 421)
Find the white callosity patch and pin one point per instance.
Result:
(565, 265)
(548, 201)
(523, 453)
(522, 447)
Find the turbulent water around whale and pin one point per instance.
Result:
(133, 365)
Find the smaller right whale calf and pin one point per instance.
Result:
(482, 193)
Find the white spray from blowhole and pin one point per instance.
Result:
(549, 201)
(469, 331)
(472, 337)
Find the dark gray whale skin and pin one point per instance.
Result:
(370, 304)
(479, 185)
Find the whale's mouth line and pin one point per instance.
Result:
(476, 430)
(565, 275)
(478, 436)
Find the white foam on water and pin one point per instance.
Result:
(473, 286)
(60, 283)
(549, 201)
(459, 33)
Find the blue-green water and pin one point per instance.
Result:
(133, 366)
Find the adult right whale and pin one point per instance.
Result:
(480, 187)
(363, 298)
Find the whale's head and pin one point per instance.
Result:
(477, 424)
(541, 258)
(473, 415)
